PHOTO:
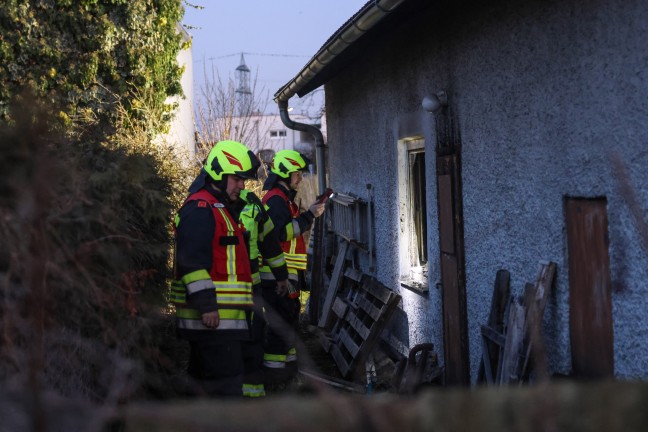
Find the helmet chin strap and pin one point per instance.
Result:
(287, 183)
(221, 184)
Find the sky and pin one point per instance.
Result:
(277, 39)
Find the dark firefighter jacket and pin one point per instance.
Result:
(212, 269)
(289, 224)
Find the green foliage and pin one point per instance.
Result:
(83, 55)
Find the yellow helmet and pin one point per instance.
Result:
(285, 162)
(231, 157)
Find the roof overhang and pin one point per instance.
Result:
(338, 49)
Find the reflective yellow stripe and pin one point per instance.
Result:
(267, 227)
(253, 390)
(230, 249)
(274, 357)
(178, 292)
(224, 314)
(290, 231)
(297, 261)
(232, 285)
(292, 355)
(256, 278)
(186, 313)
(196, 275)
(227, 293)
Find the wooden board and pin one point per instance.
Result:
(452, 262)
(509, 366)
(590, 288)
(492, 337)
(336, 278)
(535, 302)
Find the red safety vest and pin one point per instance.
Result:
(230, 275)
(295, 248)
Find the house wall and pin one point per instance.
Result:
(544, 94)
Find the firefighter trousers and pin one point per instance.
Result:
(282, 316)
(253, 350)
(217, 367)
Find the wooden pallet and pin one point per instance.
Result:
(511, 348)
(360, 315)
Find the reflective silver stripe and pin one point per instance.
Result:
(274, 364)
(276, 262)
(291, 358)
(267, 276)
(270, 276)
(199, 285)
(296, 230)
(189, 324)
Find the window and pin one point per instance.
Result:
(413, 213)
(277, 134)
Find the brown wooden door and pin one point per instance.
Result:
(590, 302)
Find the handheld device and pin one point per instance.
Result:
(325, 196)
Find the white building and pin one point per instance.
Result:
(265, 134)
(182, 128)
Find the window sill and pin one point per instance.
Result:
(417, 286)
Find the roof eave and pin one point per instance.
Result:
(364, 20)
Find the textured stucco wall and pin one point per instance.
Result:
(543, 93)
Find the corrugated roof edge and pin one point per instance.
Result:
(362, 21)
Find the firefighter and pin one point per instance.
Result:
(212, 290)
(262, 239)
(283, 307)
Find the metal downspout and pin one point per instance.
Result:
(319, 141)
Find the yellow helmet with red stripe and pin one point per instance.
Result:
(231, 157)
(288, 161)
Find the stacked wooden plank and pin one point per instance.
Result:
(512, 342)
(359, 314)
